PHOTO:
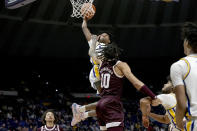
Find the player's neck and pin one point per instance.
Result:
(50, 124)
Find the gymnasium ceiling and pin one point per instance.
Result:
(144, 28)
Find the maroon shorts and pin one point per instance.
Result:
(109, 112)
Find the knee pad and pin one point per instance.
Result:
(13, 4)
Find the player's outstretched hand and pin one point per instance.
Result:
(145, 121)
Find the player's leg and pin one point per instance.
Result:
(85, 115)
(100, 117)
(102, 124)
(80, 112)
(89, 107)
(76, 114)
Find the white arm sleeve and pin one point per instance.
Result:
(177, 72)
(168, 100)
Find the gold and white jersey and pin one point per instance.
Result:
(184, 72)
(94, 75)
(169, 103)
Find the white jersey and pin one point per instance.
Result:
(169, 103)
(184, 72)
(94, 75)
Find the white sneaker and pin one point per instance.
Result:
(76, 114)
(82, 116)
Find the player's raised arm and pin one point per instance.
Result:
(139, 85)
(92, 52)
(85, 29)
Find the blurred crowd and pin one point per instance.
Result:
(26, 116)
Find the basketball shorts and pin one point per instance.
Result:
(191, 125)
(93, 79)
(110, 112)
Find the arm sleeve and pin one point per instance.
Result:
(177, 72)
(168, 100)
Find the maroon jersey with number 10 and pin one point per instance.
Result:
(111, 83)
(109, 109)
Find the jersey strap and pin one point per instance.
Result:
(188, 67)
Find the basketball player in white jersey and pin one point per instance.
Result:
(168, 100)
(101, 40)
(184, 78)
(121, 68)
(96, 43)
(49, 119)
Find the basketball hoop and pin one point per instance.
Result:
(77, 4)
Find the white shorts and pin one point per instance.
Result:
(191, 125)
(93, 79)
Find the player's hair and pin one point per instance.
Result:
(44, 116)
(170, 89)
(189, 32)
(110, 34)
(168, 78)
(111, 52)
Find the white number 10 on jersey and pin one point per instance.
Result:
(105, 78)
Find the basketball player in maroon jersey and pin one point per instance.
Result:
(109, 108)
(49, 119)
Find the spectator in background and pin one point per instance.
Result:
(3, 127)
(49, 119)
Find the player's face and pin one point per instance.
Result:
(167, 88)
(104, 38)
(49, 117)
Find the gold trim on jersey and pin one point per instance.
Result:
(188, 69)
(188, 126)
(171, 107)
(93, 61)
(172, 114)
(96, 68)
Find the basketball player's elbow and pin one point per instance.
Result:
(137, 85)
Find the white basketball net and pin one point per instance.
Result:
(77, 4)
